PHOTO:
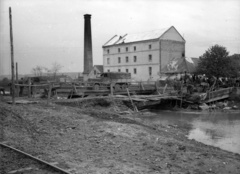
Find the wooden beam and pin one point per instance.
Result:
(217, 98)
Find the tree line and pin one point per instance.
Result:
(41, 70)
(217, 62)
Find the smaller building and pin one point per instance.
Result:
(182, 65)
(178, 67)
(96, 71)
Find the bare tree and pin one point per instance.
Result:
(56, 67)
(46, 70)
(38, 70)
(34, 71)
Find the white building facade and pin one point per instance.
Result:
(143, 54)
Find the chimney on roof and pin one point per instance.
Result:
(88, 60)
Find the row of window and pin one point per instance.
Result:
(135, 70)
(127, 59)
(126, 49)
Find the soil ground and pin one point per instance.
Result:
(92, 136)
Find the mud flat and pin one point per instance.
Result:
(92, 137)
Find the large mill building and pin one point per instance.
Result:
(144, 55)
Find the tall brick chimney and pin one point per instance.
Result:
(88, 60)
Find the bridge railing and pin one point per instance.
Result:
(219, 93)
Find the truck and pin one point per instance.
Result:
(119, 80)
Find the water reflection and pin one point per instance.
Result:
(218, 129)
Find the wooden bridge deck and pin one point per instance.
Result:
(220, 94)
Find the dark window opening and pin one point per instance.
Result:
(150, 71)
(135, 58)
(135, 70)
(150, 58)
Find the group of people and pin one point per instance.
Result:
(218, 82)
(202, 83)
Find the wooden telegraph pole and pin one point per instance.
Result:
(17, 91)
(12, 56)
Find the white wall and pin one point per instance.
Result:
(142, 53)
(91, 73)
(142, 72)
(170, 45)
(172, 34)
(171, 50)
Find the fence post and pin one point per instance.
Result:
(17, 88)
(111, 89)
(141, 86)
(29, 87)
(156, 86)
(181, 95)
(49, 93)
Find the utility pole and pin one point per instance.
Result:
(17, 91)
(12, 56)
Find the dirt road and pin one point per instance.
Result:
(93, 138)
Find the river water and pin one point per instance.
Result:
(220, 129)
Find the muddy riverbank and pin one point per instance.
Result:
(97, 137)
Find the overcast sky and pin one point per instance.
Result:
(47, 31)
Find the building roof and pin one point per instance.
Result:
(99, 67)
(191, 64)
(180, 65)
(143, 36)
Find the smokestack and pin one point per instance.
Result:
(88, 61)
